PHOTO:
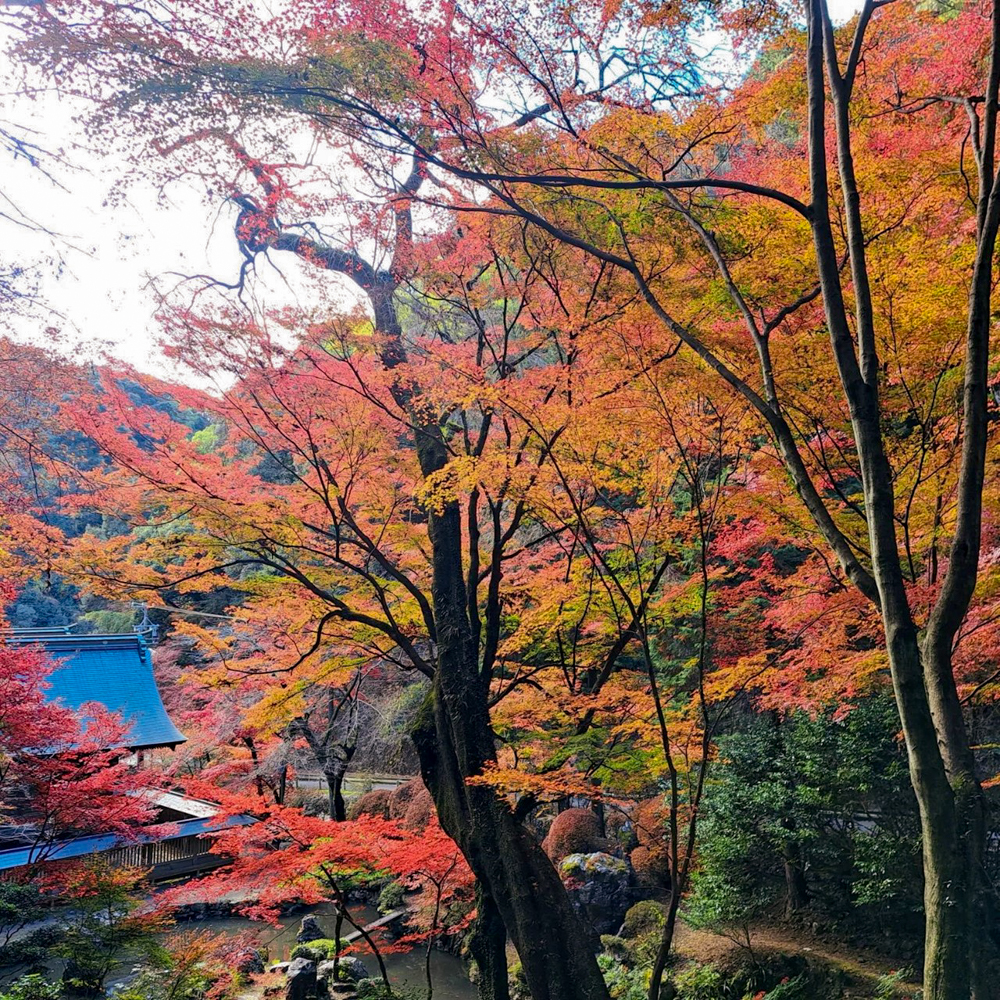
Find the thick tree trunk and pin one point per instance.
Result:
(454, 739)
(488, 944)
(557, 952)
(948, 894)
(335, 794)
(970, 809)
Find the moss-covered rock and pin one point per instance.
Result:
(392, 897)
(584, 866)
(600, 887)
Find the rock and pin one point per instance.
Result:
(600, 888)
(351, 967)
(354, 968)
(309, 930)
(205, 910)
(301, 981)
(279, 967)
(249, 962)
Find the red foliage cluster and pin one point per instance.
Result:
(62, 773)
(574, 831)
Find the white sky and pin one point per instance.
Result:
(110, 253)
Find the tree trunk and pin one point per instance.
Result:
(970, 808)
(454, 739)
(946, 857)
(488, 944)
(796, 890)
(666, 943)
(947, 882)
(335, 794)
(557, 952)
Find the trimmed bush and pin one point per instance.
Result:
(401, 799)
(317, 951)
(420, 811)
(374, 803)
(616, 948)
(649, 819)
(651, 866)
(574, 831)
(644, 918)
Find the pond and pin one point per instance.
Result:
(451, 980)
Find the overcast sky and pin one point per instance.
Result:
(108, 253)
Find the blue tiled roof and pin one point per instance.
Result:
(115, 670)
(79, 847)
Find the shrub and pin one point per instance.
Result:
(652, 866)
(616, 948)
(31, 950)
(317, 951)
(888, 985)
(401, 799)
(370, 804)
(420, 811)
(798, 988)
(643, 918)
(700, 982)
(312, 801)
(784, 797)
(20, 904)
(649, 819)
(620, 828)
(375, 989)
(574, 831)
(32, 987)
(623, 983)
(392, 897)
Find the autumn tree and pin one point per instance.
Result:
(746, 220)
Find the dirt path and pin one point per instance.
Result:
(861, 966)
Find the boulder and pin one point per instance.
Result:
(309, 930)
(600, 888)
(301, 980)
(351, 967)
(354, 968)
(249, 962)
